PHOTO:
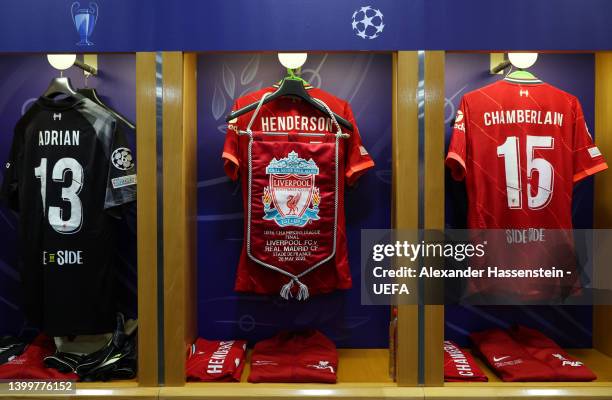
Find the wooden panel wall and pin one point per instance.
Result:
(146, 145)
(434, 204)
(602, 315)
(405, 197)
(179, 191)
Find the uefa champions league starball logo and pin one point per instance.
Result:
(368, 22)
(122, 159)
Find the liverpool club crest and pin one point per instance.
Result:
(291, 198)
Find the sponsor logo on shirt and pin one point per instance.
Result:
(63, 257)
(264, 362)
(323, 365)
(232, 125)
(499, 361)
(459, 124)
(459, 116)
(566, 362)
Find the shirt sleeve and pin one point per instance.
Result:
(358, 160)
(457, 151)
(9, 194)
(121, 181)
(230, 156)
(588, 160)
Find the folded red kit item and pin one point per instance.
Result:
(29, 365)
(295, 357)
(544, 349)
(460, 366)
(508, 359)
(216, 361)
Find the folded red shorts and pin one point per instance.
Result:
(29, 365)
(460, 366)
(508, 359)
(546, 350)
(216, 361)
(298, 357)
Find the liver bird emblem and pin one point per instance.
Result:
(292, 203)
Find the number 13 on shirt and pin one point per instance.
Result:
(69, 194)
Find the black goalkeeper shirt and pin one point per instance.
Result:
(69, 165)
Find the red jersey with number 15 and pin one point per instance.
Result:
(521, 145)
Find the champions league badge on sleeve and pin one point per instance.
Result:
(84, 19)
(291, 191)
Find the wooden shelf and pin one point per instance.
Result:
(293, 392)
(527, 391)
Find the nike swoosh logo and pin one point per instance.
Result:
(496, 359)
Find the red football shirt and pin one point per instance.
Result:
(521, 146)
(216, 360)
(293, 168)
(295, 357)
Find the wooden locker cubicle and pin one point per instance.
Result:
(145, 385)
(362, 373)
(599, 358)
